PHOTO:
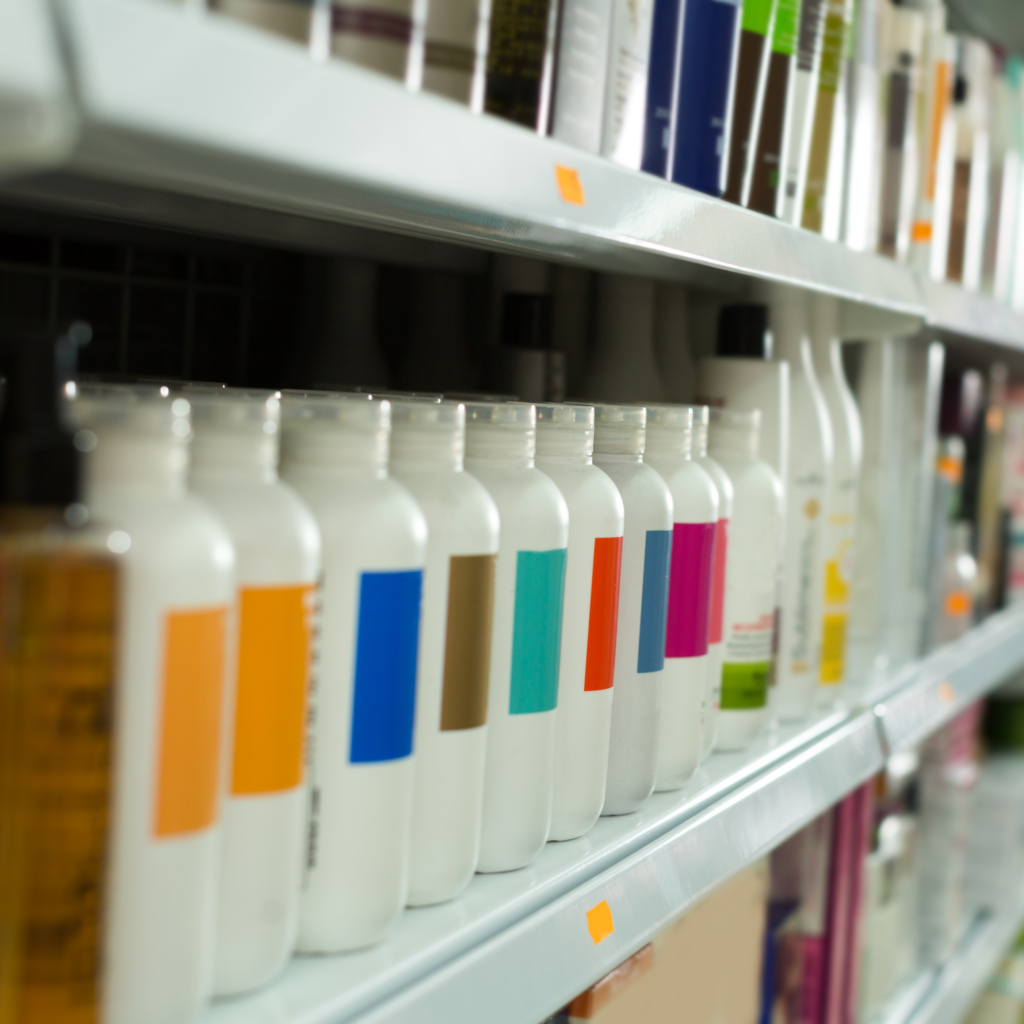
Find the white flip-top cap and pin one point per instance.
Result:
(500, 430)
(428, 431)
(619, 429)
(734, 431)
(332, 429)
(234, 428)
(565, 430)
(670, 430)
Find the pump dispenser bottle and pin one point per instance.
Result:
(277, 563)
(713, 675)
(59, 586)
(501, 441)
(565, 446)
(178, 586)
(669, 452)
(427, 448)
(755, 549)
(619, 439)
(334, 452)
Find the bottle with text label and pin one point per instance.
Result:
(625, 101)
(841, 498)
(669, 452)
(386, 36)
(501, 441)
(177, 590)
(233, 468)
(755, 551)
(427, 450)
(455, 51)
(590, 612)
(290, 19)
(334, 452)
(661, 72)
(581, 71)
(619, 440)
(713, 675)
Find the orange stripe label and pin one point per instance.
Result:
(274, 637)
(188, 770)
(604, 614)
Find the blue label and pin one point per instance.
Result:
(709, 44)
(537, 631)
(661, 71)
(387, 641)
(654, 602)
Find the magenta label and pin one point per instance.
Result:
(689, 590)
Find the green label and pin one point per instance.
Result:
(745, 685)
(757, 16)
(787, 27)
(537, 631)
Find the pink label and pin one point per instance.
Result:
(718, 582)
(689, 590)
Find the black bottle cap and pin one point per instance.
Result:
(743, 332)
(39, 464)
(526, 321)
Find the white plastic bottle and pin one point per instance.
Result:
(809, 467)
(334, 452)
(277, 563)
(427, 447)
(841, 500)
(178, 585)
(565, 445)
(669, 452)
(713, 675)
(501, 441)
(619, 438)
(755, 548)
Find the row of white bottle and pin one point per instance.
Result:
(477, 618)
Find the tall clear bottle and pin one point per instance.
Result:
(586, 671)
(179, 584)
(427, 449)
(277, 563)
(669, 451)
(501, 442)
(60, 582)
(334, 452)
(619, 441)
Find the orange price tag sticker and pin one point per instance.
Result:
(599, 922)
(569, 185)
(946, 692)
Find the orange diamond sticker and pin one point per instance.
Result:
(569, 185)
(599, 922)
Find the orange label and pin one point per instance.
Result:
(274, 636)
(943, 93)
(950, 468)
(604, 614)
(599, 922)
(958, 603)
(188, 770)
(946, 692)
(569, 185)
(921, 231)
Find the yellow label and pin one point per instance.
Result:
(837, 584)
(833, 649)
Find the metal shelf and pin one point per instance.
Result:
(962, 314)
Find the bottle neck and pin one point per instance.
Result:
(335, 452)
(495, 446)
(138, 462)
(613, 458)
(234, 457)
(563, 460)
(473, 462)
(733, 444)
(421, 451)
(677, 443)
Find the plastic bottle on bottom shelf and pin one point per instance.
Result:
(619, 438)
(177, 586)
(334, 452)
(669, 452)
(713, 675)
(427, 447)
(530, 578)
(565, 444)
(755, 542)
(277, 563)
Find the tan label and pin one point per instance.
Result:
(467, 643)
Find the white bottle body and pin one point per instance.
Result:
(713, 674)
(694, 519)
(625, 101)
(177, 588)
(361, 788)
(277, 564)
(755, 550)
(640, 642)
(462, 522)
(519, 777)
(585, 671)
(581, 72)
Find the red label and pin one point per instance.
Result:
(718, 582)
(604, 614)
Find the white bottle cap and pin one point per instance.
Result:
(619, 429)
(234, 428)
(496, 430)
(565, 430)
(735, 432)
(670, 429)
(428, 432)
(327, 429)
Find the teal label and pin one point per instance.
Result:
(537, 631)
(745, 685)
